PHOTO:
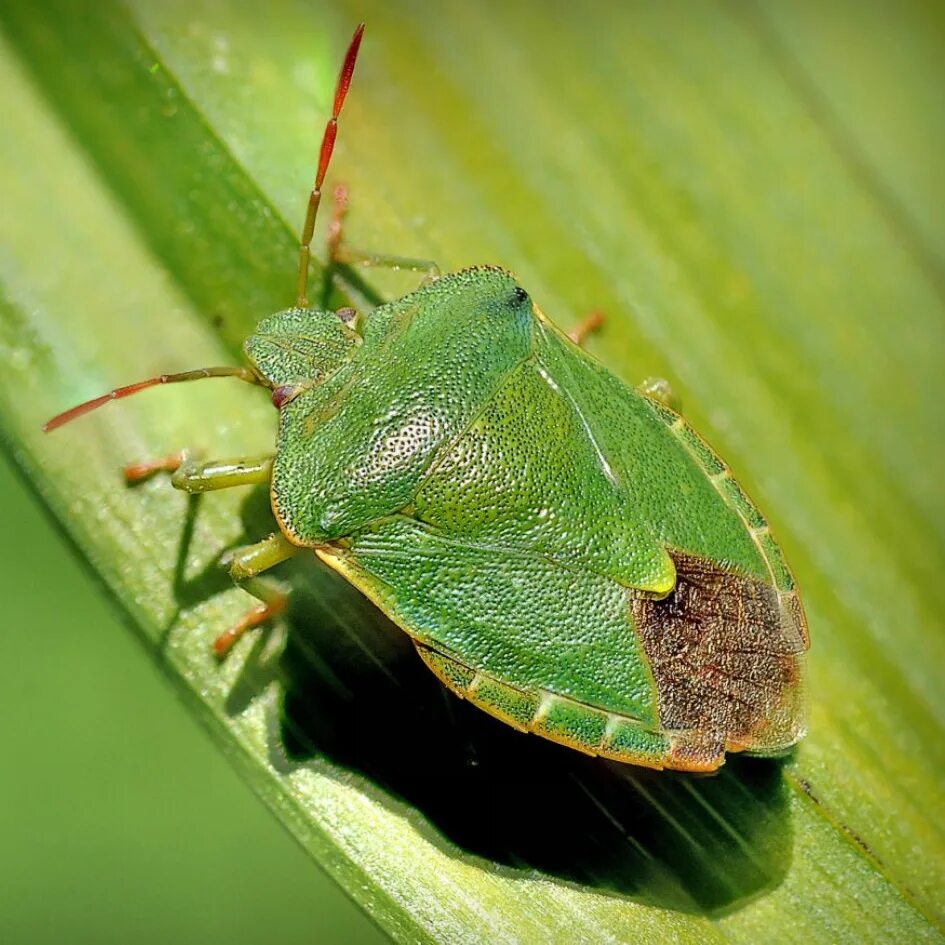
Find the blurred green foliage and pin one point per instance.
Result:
(119, 820)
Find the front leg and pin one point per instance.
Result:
(191, 476)
(245, 564)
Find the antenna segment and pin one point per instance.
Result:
(328, 145)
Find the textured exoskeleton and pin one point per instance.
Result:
(565, 551)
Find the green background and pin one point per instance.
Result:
(120, 820)
(751, 191)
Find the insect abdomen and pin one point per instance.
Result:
(558, 718)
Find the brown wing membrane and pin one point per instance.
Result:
(726, 654)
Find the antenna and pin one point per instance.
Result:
(328, 145)
(244, 374)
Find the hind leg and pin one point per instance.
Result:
(660, 390)
(585, 327)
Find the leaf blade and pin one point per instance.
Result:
(397, 876)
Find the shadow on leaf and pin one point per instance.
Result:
(356, 693)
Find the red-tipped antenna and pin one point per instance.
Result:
(328, 145)
(244, 374)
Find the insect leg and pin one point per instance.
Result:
(342, 255)
(660, 390)
(589, 324)
(356, 257)
(245, 564)
(138, 472)
(222, 473)
(191, 476)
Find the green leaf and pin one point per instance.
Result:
(716, 179)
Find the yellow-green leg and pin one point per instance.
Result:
(192, 476)
(245, 564)
(341, 254)
(660, 390)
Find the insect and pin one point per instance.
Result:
(564, 551)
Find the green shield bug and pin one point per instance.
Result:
(564, 551)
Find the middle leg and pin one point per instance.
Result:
(245, 564)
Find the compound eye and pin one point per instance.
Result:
(519, 296)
